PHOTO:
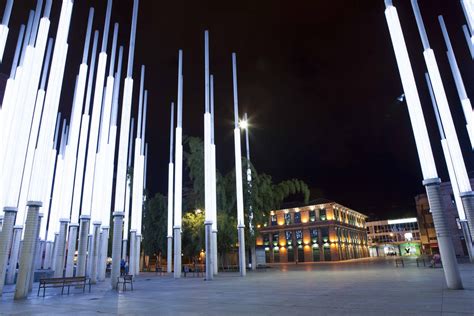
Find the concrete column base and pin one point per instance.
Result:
(104, 243)
(215, 261)
(71, 249)
(169, 255)
(116, 247)
(445, 242)
(209, 252)
(138, 243)
(133, 250)
(90, 249)
(242, 261)
(37, 256)
(14, 254)
(467, 240)
(27, 254)
(61, 248)
(48, 249)
(177, 252)
(468, 203)
(6, 236)
(84, 224)
(95, 252)
(40, 254)
(54, 252)
(124, 249)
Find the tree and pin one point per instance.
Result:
(154, 224)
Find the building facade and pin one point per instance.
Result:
(396, 237)
(324, 231)
(425, 220)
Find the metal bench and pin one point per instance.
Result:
(64, 282)
(124, 279)
(399, 262)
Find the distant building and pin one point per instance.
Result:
(396, 237)
(425, 219)
(321, 231)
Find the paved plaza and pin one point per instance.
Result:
(359, 287)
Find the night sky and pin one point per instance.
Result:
(318, 79)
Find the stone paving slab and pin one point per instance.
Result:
(360, 287)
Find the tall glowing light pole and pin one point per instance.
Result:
(178, 182)
(425, 154)
(169, 252)
(121, 205)
(84, 219)
(238, 173)
(213, 183)
(465, 102)
(253, 254)
(207, 164)
(452, 173)
(126, 225)
(87, 194)
(4, 27)
(446, 119)
(468, 8)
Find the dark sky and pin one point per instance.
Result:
(318, 79)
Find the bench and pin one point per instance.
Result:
(124, 279)
(64, 282)
(263, 267)
(421, 260)
(399, 262)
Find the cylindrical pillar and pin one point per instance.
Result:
(209, 252)
(215, 261)
(14, 254)
(61, 248)
(467, 239)
(133, 249)
(90, 249)
(37, 256)
(138, 243)
(54, 252)
(242, 267)
(95, 251)
(71, 249)
(169, 256)
(5, 239)
(48, 249)
(468, 203)
(446, 248)
(40, 254)
(124, 249)
(177, 252)
(82, 247)
(28, 248)
(102, 264)
(116, 247)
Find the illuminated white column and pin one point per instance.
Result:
(61, 248)
(207, 164)
(468, 8)
(37, 255)
(78, 180)
(238, 173)
(14, 253)
(425, 154)
(465, 102)
(121, 203)
(126, 225)
(102, 256)
(169, 252)
(213, 183)
(446, 118)
(4, 27)
(28, 248)
(178, 182)
(452, 173)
